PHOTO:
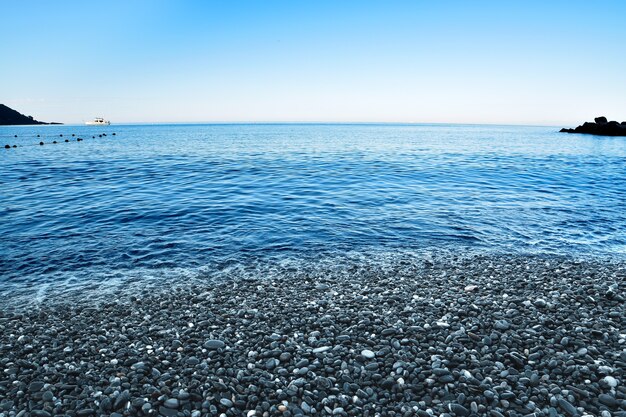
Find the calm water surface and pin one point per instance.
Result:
(183, 197)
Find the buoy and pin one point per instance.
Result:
(61, 135)
(67, 140)
(14, 136)
(40, 143)
(99, 136)
(7, 146)
(38, 135)
(73, 134)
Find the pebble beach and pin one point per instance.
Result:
(458, 336)
(313, 209)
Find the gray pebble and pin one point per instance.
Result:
(214, 344)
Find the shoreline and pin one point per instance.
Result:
(480, 335)
(89, 288)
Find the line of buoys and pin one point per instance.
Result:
(41, 143)
(38, 135)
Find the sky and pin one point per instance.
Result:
(158, 61)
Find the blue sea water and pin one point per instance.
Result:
(157, 198)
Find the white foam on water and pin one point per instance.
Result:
(116, 284)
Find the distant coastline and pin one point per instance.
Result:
(10, 117)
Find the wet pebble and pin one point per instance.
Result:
(368, 354)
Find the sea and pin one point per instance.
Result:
(134, 206)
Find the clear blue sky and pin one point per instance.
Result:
(535, 62)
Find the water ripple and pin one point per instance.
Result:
(186, 196)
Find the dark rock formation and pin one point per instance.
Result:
(601, 127)
(8, 116)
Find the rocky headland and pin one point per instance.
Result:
(8, 117)
(601, 127)
(482, 336)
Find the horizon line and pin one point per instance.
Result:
(271, 122)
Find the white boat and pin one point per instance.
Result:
(98, 121)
